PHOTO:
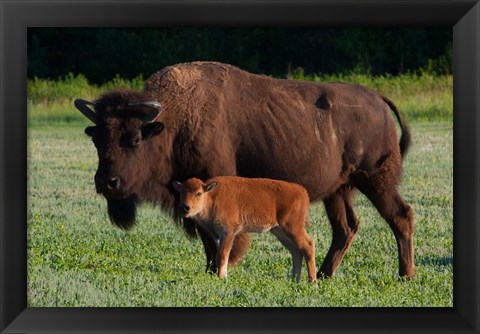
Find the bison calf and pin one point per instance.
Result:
(225, 206)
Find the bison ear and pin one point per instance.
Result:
(90, 130)
(152, 129)
(209, 186)
(177, 186)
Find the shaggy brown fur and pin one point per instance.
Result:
(219, 120)
(227, 205)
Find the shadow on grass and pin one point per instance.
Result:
(438, 261)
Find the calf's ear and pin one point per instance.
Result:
(152, 129)
(209, 186)
(177, 186)
(90, 130)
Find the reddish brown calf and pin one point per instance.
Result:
(228, 205)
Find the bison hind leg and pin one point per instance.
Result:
(399, 217)
(380, 187)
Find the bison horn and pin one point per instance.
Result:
(153, 105)
(81, 105)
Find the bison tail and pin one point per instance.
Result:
(406, 138)
(239, 248)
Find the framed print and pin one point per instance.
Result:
(38, 245)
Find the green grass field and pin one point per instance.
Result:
(77, 258)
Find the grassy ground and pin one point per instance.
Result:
(77, 258)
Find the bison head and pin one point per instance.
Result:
(126, 125)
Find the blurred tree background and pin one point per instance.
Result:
(101, 54)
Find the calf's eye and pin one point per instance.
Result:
(198, 194)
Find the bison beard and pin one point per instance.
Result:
(122, 212)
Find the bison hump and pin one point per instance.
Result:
(185, 76)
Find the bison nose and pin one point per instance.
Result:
(113, 183)
(183, 207)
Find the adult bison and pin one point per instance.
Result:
(206, 119)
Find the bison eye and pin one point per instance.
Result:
(136, 141)
(198, 194)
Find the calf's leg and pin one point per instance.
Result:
(241, 241)
(288, 243)
(224, 248)
(300, 245)
(306, 246)
(240, 246)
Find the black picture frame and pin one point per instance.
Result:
(17, 16)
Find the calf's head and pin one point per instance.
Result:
(126, 124)
(192, 196)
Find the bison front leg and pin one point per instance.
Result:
(210, 247)
(344, 224)
(240, 246)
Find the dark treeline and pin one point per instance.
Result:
(102, 53)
